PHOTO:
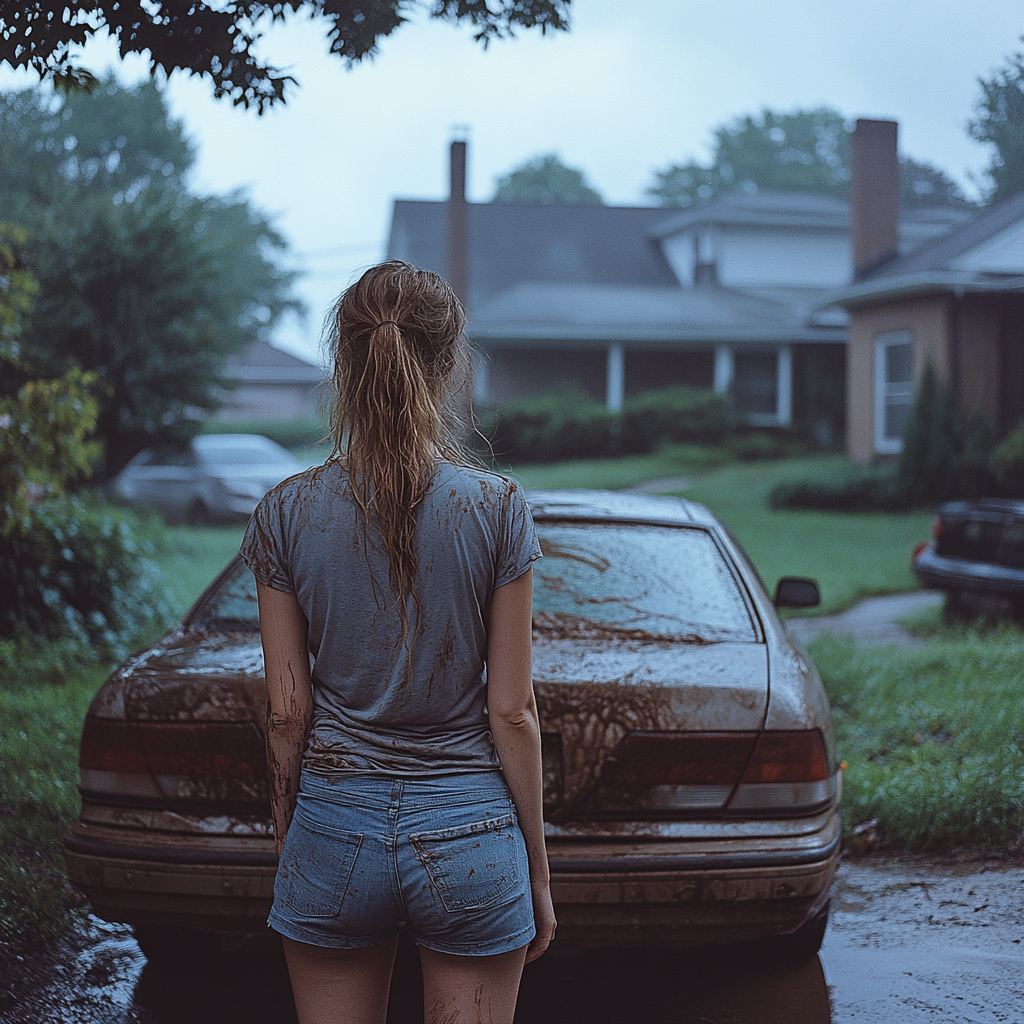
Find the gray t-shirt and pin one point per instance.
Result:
(370, 712)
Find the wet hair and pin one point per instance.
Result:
(400, 368)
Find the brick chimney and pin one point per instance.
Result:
(457, 223)
(874, 194)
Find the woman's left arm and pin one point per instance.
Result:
(285, 634)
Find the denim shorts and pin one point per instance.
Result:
(444, 855)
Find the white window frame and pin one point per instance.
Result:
(885, 390)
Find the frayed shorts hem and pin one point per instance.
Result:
(505, 945)
(317, 938)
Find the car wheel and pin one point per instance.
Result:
(804, 942)
(198, 514)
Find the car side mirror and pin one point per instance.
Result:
(797, 592)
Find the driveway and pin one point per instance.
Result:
(875, 620)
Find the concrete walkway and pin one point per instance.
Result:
(873, 620)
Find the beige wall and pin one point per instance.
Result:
(981, 324)
(928, 321)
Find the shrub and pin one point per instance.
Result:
(874, 489)
(1007, 463)
(671, 416)
(77, 571)
(942, 458)
(566, 424)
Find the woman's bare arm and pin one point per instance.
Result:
(285, 634)
(515, 726)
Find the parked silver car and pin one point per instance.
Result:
(691, 787)
(218, 477)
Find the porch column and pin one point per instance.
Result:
(784, 385)
(724, 366)
(616, 377)
(480, 368)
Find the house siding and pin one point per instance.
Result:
(927, 320)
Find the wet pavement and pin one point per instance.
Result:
(874, 620)
(909, 942)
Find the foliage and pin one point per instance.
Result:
(569, 424)
(44, 424)
(798, 151)
(1007, 462)
(82, 571)
(562, 425)
(140, 281)
(931, 737)
(222, 41)
(999, 120)
(545, 179)
(942, 458)
(673, 415)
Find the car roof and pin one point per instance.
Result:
(618, 506)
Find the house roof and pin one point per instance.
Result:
(533, 312)
(793, 210)
(261, 363)
(938, 266)
(512, 243)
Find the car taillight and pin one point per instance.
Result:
(788, 771)
(670, 772)
(221, 762)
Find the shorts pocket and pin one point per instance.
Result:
(316, 867)
(475, 866)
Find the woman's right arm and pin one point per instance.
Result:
(515, 726)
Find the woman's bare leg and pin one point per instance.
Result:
(340, 986)
(470, 989)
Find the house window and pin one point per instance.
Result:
(755, 386)
(894, 389)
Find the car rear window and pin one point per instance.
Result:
(231, 607)
(617, 579)
(595, 580)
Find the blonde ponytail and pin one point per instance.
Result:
(400, 362)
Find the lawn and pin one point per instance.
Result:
(852, 555)
(933, 736)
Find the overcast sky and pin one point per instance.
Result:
(634, 86)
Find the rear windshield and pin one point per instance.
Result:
(231, 607)
(595, 580)
(660, 582)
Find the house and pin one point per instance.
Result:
(957, 301)
(270, 385)
(619, 300)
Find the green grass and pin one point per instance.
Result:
(933, 736)
(852, 555)
(628, 471)
(41, 718)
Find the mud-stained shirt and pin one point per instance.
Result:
(380, 704)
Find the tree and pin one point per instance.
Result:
(141, 282)
(800, 151)
(545, 179)
(999, 120)
(220, 40)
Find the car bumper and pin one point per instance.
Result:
(605, 894)
(937, 572)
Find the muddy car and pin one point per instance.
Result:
(690, 784)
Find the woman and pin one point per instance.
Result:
(405, 785)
